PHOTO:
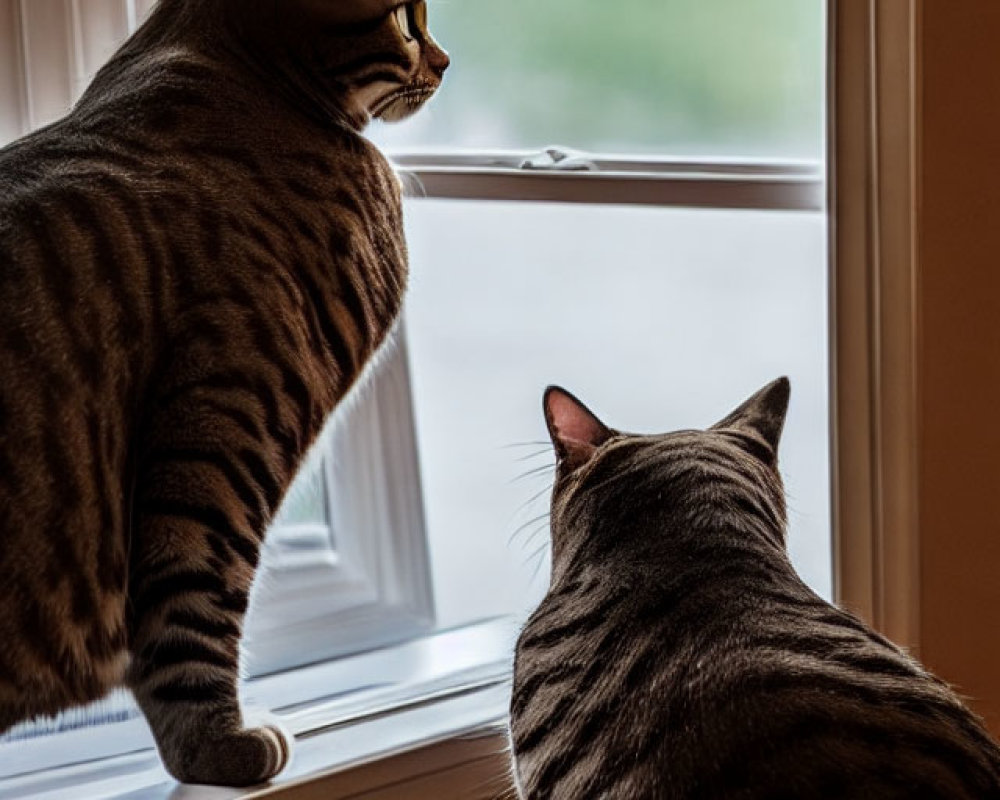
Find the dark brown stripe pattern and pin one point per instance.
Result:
(678, 655)
(196, 264)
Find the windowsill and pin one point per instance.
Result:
(434, 689)
(472, 767)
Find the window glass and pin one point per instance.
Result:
(721, 77)
(657, 318)
(306, 501)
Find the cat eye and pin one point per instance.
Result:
(408, 18)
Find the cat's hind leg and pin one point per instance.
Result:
(201, 504)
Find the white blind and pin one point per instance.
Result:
(50, 50)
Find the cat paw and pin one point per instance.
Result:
(241, 758)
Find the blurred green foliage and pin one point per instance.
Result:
(731, 77)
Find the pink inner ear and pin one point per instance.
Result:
(573, 423)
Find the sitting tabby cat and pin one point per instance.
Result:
(195, 266)
(678, 655)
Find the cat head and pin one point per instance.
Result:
(333, 58)
(389, 65)
(627, 495)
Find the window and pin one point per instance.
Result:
(660, 318)
(626, 199)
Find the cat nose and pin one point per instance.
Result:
(440, 62)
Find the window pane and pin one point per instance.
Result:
(306, 502)
(657, 318)
(723, 77)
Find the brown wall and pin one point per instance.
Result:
(959, 353)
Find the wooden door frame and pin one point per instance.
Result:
(874, 147)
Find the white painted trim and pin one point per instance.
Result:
(370, 586)
(565, 176)
(342, 713)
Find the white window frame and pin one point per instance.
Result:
(376, 590)
(364, 580)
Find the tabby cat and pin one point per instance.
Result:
(678, 655)
(195, 265)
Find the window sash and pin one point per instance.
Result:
(561, 175)
(53, 49)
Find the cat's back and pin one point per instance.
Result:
(639, 690)
(790, 685)
(170, 194)
(172, 179)
(173, 124)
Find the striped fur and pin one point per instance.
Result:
(195, 266)
(678, 655)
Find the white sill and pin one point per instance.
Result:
(441, 686)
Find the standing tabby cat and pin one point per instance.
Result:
(678, 655)
(195, 265)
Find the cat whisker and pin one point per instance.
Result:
(534, 534)
(413, 186)
(535, 553)
(533, 498)
(536, 471)
(546, 451)
(791, 504)
(527, 444)
(527, 524)
(540, 555)
(497, 787)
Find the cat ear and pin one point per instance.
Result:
(576, 433)
(762, 416)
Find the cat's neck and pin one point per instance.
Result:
(241, 47)
(647, 553)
